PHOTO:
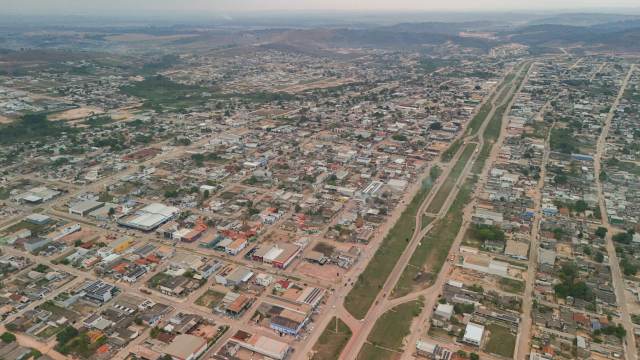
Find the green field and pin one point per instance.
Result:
(369, 283)
(511, 285)
(501, 341)
(389, 331)
(426, 220)
(160, 92)
(430, 255)
(332, 340)
(445, 189)
(475, 123)
(371, 352)
(451, 151)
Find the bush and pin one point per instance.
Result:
(7, 337)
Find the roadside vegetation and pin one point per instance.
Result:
(386, 337)
(449, 183)
(430, 255)
(372, 279)
(332, 340)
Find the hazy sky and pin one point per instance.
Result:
(216, 6)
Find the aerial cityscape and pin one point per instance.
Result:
(232, 181)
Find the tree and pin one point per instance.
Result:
(599, 257)
(41, 268)
(624, 237)
(112, 211)
(474, 356)
(580, 206)
(66, 334)
(601, 232)
(206, 194)
(7, 337)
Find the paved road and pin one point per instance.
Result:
(618, 280)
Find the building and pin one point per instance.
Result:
(261, 344)
(99, 291)
(38, 219)
(473, 334)
(432, 351)
(186, 347)
(287, 321)
(444, 311)
(84, 207)
(149, 217)
(517, 250)
(34, 244)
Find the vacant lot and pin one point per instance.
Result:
(511, 285)
(369, 283)
(210, 298)
(332, 340)
(501, 341)
(389, 331)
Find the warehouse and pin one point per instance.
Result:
(149, 217)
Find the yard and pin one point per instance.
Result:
(332, 340)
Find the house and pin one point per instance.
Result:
(229, 276)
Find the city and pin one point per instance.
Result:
(246, 189)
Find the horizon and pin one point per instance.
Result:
(203, 8)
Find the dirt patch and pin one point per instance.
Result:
(320, 272)
(5, 120)
(75, 114)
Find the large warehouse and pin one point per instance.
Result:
(149, 217)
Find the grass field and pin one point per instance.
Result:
(426, 220)
(430, 255)
(443, 192)
(501, 341)
(389, 331)
(331, 342)
(371, 352)
(369, 283)
(478, 119)
(451, 151)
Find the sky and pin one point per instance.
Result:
(127, 7)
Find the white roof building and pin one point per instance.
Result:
(473, 334)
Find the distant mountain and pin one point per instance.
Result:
(579, 19)
(450, 28)
(396, 37)
(616, 36)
